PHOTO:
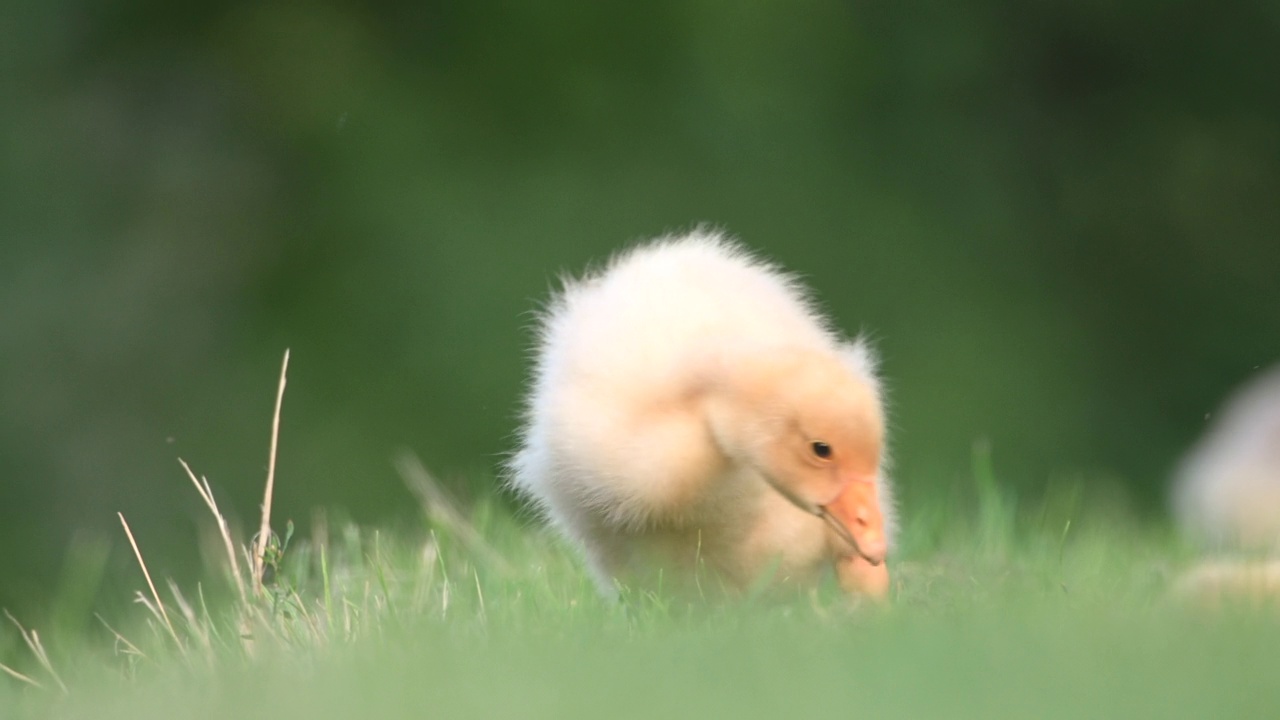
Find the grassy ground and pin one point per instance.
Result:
(1058, 610)
(1054, 611)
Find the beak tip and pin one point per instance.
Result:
(874, 553)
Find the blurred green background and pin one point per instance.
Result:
(1060, 219)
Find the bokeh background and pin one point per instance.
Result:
(1060, 219)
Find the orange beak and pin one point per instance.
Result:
(854, 516)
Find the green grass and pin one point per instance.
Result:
(1056, 610)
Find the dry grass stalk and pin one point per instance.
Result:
(195, 627)
(206, 494)
(442, 511)
(32, 639)
(264, 530)
(158, 608)
(19, 676)
(121, 640)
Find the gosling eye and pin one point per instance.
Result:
(821, 449)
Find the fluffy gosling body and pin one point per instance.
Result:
(691, 412)
(1227, 489)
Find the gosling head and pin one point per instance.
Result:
(814, 430)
